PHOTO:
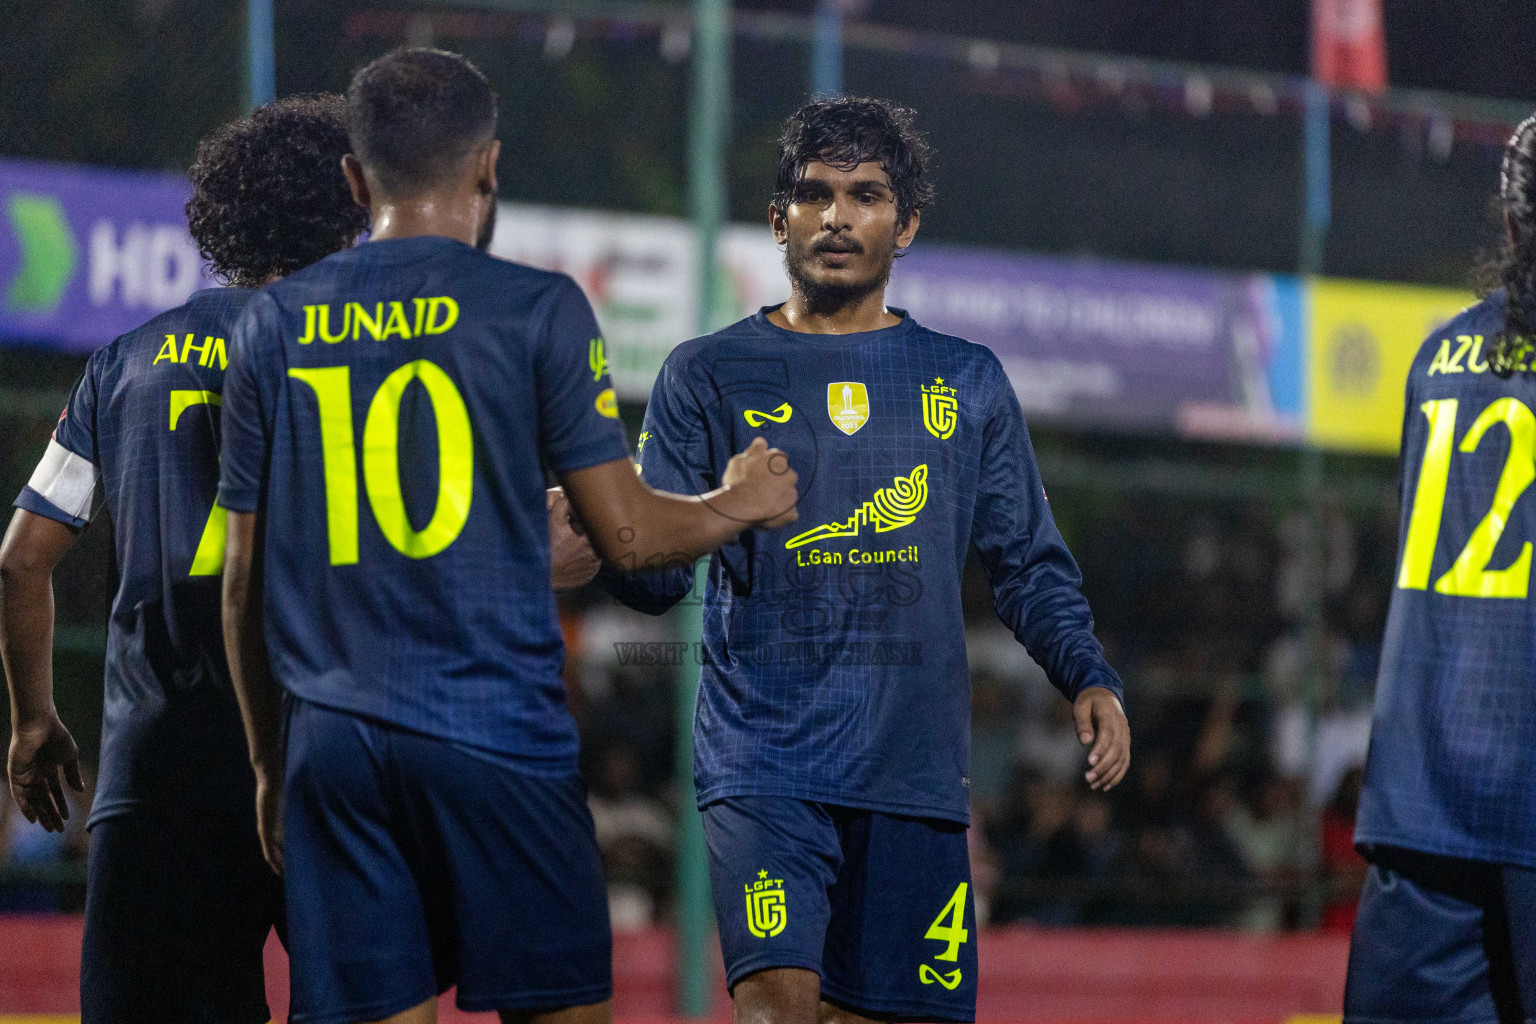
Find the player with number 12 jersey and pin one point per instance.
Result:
(1447, 922)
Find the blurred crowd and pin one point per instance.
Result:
(1247, 748)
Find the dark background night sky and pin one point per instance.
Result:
(1484, 47)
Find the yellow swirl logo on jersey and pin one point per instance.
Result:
(779, 415)
(891, 508)
(766, 912)
(607, 404)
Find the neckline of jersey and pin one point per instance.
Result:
(762, 323)
(405, 250)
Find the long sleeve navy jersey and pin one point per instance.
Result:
(834, 648)
(1453, 741)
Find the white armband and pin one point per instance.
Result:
(65, 480)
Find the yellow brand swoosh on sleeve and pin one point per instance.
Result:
(779, 415)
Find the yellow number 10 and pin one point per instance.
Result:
(1469, 575)
(381, 459)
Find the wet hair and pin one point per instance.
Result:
(846, 132)
(268, 195)
(415, 114)
(1513, 267)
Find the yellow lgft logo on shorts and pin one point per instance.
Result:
(766, 913)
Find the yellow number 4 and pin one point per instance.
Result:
(953, 933)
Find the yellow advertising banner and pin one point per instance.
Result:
(1363, 337)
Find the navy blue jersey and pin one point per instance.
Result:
(144, 418)
(388, 407)
(1453, 744)
(834, 653)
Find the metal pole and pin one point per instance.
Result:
(261, 63)
(1318, 212)
(708, 117)
(827, 50)
(1316, 217)
(695, 909)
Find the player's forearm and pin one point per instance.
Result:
(32, 548)
(26, 641)
(257, 692)
(1048, 613)
(671, 531)
(635, 528)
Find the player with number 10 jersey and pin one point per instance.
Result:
(1447, 922)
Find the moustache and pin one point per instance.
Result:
(847, 245)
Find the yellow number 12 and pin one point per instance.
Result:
(1469, 575)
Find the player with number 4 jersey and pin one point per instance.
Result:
(1447, 922)
(832, 734)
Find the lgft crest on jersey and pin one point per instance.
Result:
(848, 405)
(939, 407)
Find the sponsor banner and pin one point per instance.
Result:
(641, 274)
(87, 253)
(1121, 346)
(1363, 337)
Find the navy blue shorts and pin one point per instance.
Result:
(879, 906)
(415, 863)
(178, 905)
(1444, 940)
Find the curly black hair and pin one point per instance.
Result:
(848, 131)
(1513, 267)
(268, 195)
(415, 113)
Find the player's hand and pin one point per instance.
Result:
(269, 818)
(43, 757)
(761, 476)
(1101, 721)
(572, 562)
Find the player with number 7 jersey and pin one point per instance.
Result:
(1447, 922)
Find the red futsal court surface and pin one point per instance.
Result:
(1028, 976)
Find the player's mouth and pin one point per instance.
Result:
(837, 252)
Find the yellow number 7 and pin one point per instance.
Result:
(209, 560)
(1470, 576)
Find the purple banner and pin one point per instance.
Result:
(1122, 346)
(87, 254)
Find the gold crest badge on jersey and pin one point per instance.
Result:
(939, 409)
(848, 405)
(766, 912)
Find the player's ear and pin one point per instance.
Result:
(485, 171)
(778, 223)
(908, 231)
(352, 169)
